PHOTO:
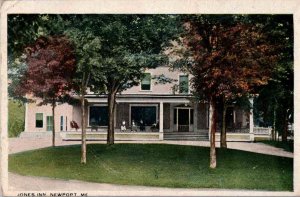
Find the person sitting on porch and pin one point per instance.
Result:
(123, 126)
(142, 125)
(133, 126)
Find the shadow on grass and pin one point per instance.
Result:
(287, 146)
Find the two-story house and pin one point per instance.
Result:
(149, 111)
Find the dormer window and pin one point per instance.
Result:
(146, 82)
(183, 84)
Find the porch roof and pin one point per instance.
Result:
(141, 98)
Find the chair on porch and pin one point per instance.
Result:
(155, 127)
(74, 125)
(94, 127)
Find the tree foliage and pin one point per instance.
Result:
(51, 64)
(279, 92)
(120, 47)
(16, 117)
(228, 58)
(112, 51)
(23, 30)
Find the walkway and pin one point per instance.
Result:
(28, 183)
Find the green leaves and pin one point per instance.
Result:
(107, 46)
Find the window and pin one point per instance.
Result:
(39, 120)
(146, 82)
(184, 84)
(61, 123)
(98, 116)
(66, 123)
(145, 113)
(49, 123)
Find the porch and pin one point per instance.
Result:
(157, 117)
(259, 133)
(148, 114)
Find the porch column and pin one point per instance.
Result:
(251, 122)
(161, 120)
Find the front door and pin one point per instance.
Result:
(183, 120)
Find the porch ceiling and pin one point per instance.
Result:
(141, 98)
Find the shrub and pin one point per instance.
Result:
(16, 118)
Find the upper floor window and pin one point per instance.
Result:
(184, 84)
(146, 82)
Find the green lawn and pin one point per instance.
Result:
(16, 117)
(158, 165)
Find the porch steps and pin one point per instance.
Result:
(191, 136)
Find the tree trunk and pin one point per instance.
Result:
(274, 125)
(53, 123)
(223, 132)
(83, 130)
(111, 117)
(213, 128)
(285, 127)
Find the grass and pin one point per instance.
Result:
(158, 165)
(16, 118)
(288, 146)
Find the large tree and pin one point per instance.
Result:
(23, 29)
(229, 60)
(50, 65)
(128, 44)
(278, 93)
(88, 54)
(112, 53)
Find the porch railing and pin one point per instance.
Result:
(262, 130)
(235, 130)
